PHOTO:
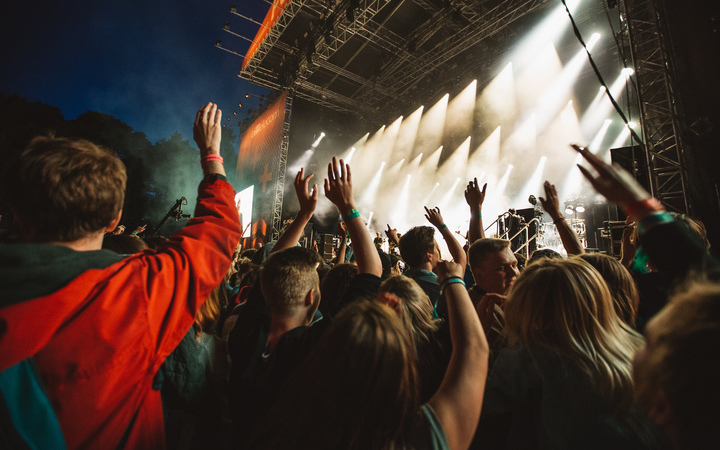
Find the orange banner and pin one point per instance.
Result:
(276, 10)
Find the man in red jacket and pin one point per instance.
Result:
(81, 326)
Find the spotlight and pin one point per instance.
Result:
(628, 71)
(569, 209)
(580, 208)
(631, 124)
(532, 200)
(218, 43)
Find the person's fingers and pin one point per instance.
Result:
(597, 163)
(587, 175)
(298, 177)
(307, 179)
(484, 189)
(348, 174)
(341, 169)
(426, 210)
(218, 116)
(331, 171)
(326, 187)
(314, 193)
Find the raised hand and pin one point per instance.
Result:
(119, 230)
(474, 196)
(448, 269)
(207, 129)
(392, 235)
(434, 217)
(307, 201)
(338, 185)
(613, 182)
(550, 202)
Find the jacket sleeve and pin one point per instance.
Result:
(177, 279)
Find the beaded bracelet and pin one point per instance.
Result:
(353, 213)
(207, 158)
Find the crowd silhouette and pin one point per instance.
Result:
(111, 339)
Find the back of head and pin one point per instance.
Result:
(622, 287)
(416, 243)
(417, 310)
(357, 390)
(542, 253)
(333, 287)
(481, 248)
(565, 306)
(676, 375)
(61, 190)
(286, 278)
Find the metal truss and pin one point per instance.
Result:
(463, 24)
(659, 108)
(405, 72)
(282, 166)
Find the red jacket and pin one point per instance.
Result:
(99, 340)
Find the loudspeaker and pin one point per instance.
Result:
(634, 161)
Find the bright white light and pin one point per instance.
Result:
(628, 71)
(245, 206)
(593, 40)
(317, 141)
(632, 124)
(580, 208)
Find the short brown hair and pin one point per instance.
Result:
(62, 190)
(416, 243)
(483, 247)
(287, 276)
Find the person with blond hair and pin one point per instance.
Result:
(430, 336)
(566, 378)
(359, 390)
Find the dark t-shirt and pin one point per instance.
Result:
(256, 378)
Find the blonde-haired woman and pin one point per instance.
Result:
(566, 383)
(430, 336)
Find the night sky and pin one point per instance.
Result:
(149, 64)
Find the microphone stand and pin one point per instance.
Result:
(175, 211)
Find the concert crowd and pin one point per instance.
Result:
(111, 339)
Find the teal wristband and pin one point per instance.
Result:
(478, 215)
(353, 213)
(444, 226)
(654, 219)
(451, 280)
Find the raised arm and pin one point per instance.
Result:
(392, 235)
(456, 251)
(475, 198)
(338, 189)
(671, 248)
(458, 400)
(308, 202)
(551, 205)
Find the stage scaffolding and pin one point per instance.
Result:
(659, 107)
(319, 64)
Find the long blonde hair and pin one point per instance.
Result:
(566, 307)
(417, 310)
